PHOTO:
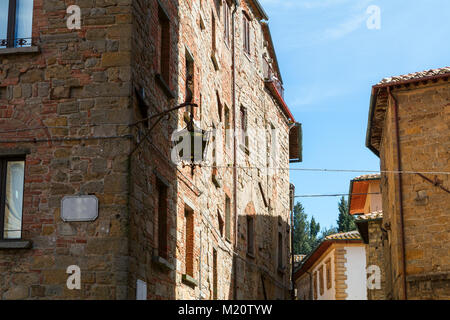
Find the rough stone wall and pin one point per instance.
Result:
(150, 164)
(211, 86)
(424, 142)
(83, 84)
(375, 257)
(263, 115)
(76, 86)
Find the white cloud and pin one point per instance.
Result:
(345, 27)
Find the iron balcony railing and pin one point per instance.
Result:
(270, 75)
(17, 42)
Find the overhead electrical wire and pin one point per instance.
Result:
(335, 195)
(332, 170)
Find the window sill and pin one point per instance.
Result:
(15, 244)
(19, 50)
(164, 86)
(162, 263)
(188, 280)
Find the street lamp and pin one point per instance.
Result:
(190, 145)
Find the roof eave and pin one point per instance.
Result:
(373, 101)
(305, 265)
(261, 10)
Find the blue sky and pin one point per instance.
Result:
(329, 60)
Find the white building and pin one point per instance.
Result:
(335, 270)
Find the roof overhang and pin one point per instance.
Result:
(295, 143)
(358, 194)
(363, 227)
(379, 104)
(260, 9)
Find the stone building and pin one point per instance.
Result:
(365, 204)
(78, 112)
(409, 130)
(335, 270)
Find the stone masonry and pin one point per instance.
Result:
(75, 107)
(422, 121)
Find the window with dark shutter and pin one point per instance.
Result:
(280, 250)
(164, 44)
(226, 21)
(189, 241)
(246, 34)
(161, 190)
(250, 236)
(227, 218)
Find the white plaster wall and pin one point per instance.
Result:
(356, 273)
(328, 294)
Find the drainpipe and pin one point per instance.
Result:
(233, 18)
(200, 297)
(292, 197)
(400, 191)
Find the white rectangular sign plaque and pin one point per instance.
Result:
(79, 208)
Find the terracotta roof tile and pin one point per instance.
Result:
(370, 216)
(416, 75)
(352, 235)
(368, 177)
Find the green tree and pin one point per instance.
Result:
(345, 221)
(328, 231)
(301, 230)
(306, 232)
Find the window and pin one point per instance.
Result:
(11, 197)
(328, 272)
(189, 81)
(227, 218)
(219, 107)
(227, 126)
(315, 285)
(215, 279)
(213, 31)
(246, 34)
(161, 190)
(226, 21)
(220, 221)
(250, 236)
(280, 250)
(321, 284)
(16, 21)
(189, 241)
(164, 44)
(244, 137)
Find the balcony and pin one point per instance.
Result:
(270, 77)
